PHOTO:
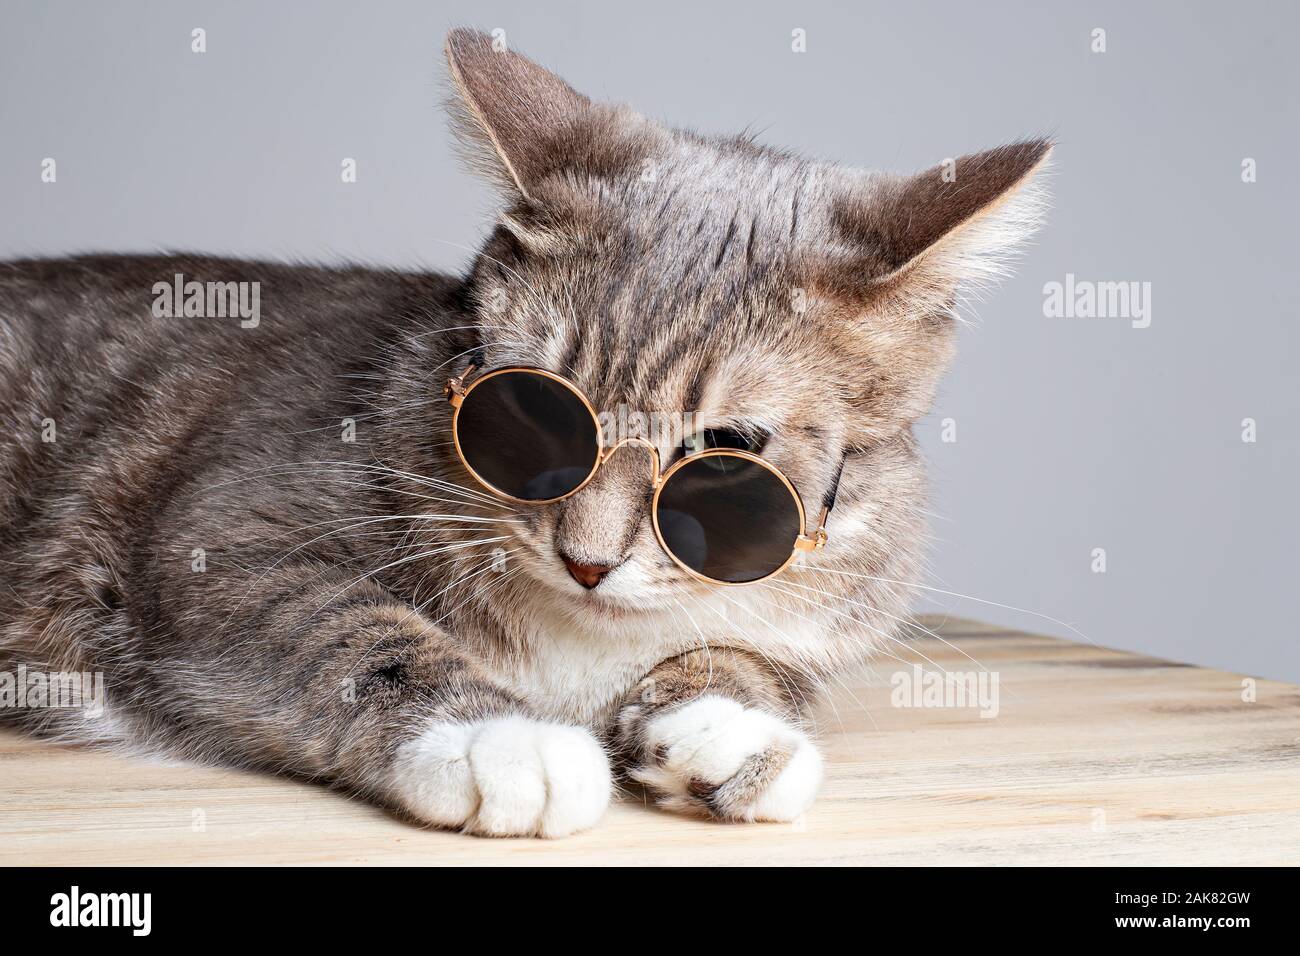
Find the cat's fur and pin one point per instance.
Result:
(328, 636)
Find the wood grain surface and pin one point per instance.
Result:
(1095, 756)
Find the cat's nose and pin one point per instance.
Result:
(588, 575)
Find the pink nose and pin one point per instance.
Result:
(588, 575)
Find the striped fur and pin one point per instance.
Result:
(365, 615)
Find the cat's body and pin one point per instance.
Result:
(264, 541)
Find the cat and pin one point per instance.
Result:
(259, 534)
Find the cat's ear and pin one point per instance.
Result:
(948, 227)
(902, 250)
(518, 121)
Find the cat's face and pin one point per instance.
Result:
(676, 310)
(701, 290)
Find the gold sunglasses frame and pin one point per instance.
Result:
(456, 391)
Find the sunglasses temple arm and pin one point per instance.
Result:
(828, 501)
(817, 538)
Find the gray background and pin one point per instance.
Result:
(1072, 434)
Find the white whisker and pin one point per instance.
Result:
(967, 597)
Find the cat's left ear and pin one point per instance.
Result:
(950, 226)
(901, 250)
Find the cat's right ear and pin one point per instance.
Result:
(516, 120)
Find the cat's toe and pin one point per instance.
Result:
(431, 776)
(509, 776)
(716, 756)
(579, 780)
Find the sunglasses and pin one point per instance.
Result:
(724, 515)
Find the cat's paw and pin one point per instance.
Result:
(507, 776)
(714, 755)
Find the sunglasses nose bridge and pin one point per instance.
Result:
(656, 476)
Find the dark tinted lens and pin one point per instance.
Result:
(728, 518)
(527, 435)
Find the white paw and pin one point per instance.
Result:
(718, 756)
(507, 776)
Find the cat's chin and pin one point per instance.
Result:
(619, 606)
(610, 603)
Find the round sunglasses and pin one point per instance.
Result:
(724, 515)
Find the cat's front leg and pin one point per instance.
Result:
(713, 732)
(470, 756)
(317, 674)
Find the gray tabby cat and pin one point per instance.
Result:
(180, 509)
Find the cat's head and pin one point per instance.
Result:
(802, 307)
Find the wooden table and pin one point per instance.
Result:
(1095, 756)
